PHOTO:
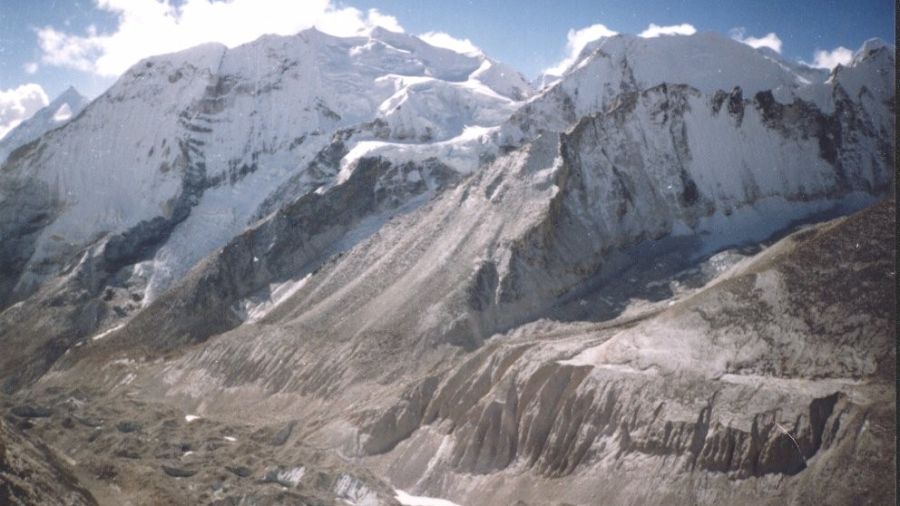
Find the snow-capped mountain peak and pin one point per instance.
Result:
(222, 130)
(871, 46)
(706, 61)
(387, 246)
(63, 108)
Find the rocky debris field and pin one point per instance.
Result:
(99, 450)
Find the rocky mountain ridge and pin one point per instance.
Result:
(212, 118)
(474, 290)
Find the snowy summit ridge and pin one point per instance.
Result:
(222, 129)
(63, 108)
(370, 259)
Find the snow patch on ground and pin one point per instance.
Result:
(757, 222)
(292, 476)
(64, 113)
(255, 310)
(462, 152)
(355, 492)
(416, 500)
(107, 332)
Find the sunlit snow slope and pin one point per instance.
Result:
(179, 154)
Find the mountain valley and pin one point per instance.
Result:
(368, 270)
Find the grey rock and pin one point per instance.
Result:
(31, 411)
(241, 471)
(88, 421)
(178, 472)
(128, 426)
(281, 437)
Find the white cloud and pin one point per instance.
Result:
(823, 59)
(655, 30)
(376, 18)
(576, 40)
(30, 67)
(18, 104)
(441, 39)
(149, 27)
(769, 40)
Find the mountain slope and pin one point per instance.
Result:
(221, 130)
(772, 379)
(503, 311)
(708, 62)
(62, 109)
(579, 206)
(30, 473)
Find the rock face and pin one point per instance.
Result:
(597, 295)
(30, 473)
(186, 147)
(759, 377)
(230, 141)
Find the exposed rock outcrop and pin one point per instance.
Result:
(628, 292)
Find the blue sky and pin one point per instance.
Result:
(529, 35)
